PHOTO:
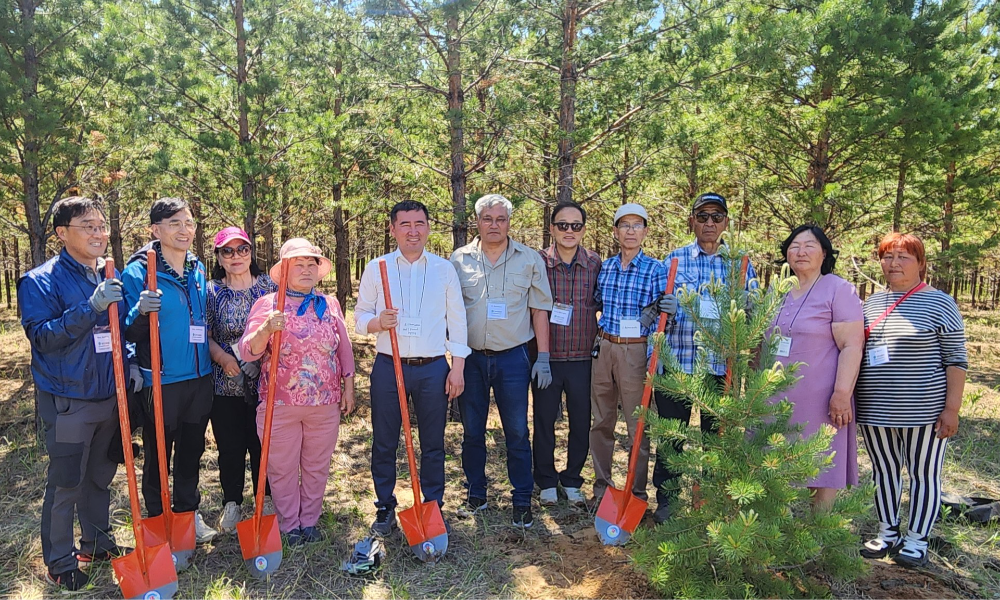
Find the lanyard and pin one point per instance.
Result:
(423, 285)
(889, 310)
(796, 316)
(486, 271)
(571, 275)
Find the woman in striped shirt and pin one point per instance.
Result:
(908, 395)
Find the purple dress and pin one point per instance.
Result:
(808, 321)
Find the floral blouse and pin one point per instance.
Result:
(228, 311)
(315, 355)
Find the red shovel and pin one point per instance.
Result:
(422, 524)
(621, 511)
(178, 528)
(260, 538)
(147, 572)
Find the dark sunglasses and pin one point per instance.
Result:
(564, 226)
(229, 251)
(704, 217)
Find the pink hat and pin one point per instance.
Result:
(229, 234)
(297, 247)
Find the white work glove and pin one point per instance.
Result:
(542, 372)
(135, 377)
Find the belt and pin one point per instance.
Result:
(415, 362)
(614, 339)
(495, 352)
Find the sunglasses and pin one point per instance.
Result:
(564, 226)
(229, 251)
(703, 217)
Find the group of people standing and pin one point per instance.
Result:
(559, 321)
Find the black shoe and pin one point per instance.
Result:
(311, 534)
(471, 506)
(910, 557)
(522, 517)
(881, 547)
(103, 555)
(294, 538)
(71, 580)
(385, 521)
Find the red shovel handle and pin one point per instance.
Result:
(118, 359)
(155, 364)
(404, 409)
(272, 387)
(647, 390)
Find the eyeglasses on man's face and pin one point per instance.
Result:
(229, 251)
(564, 226)
(489, 221)
(703, 217)
(631, 226)
(101, 229)
(178, 224)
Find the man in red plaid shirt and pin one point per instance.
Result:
(572, 272)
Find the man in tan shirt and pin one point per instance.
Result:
(507, 299)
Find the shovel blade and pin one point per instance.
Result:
(181, 537)
(154, 530)
(260, 543)
(425, 531)
(619, 513)
(149, 576)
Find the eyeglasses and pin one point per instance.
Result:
(177, 224)
(564, 226)
(632, 226)
(703, 217)
(488, 222)
(229, 251)
(93, 229)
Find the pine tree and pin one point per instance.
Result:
(748, 531)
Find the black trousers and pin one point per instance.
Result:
(234, 424)
(673, 407)
(186, 406)
(573, 379)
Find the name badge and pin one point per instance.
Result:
(196, 334)
(708, 309)
(236, 351)
(561, 313)
(784, 345)
(496, 311)
(102, 339)
(879, 355)
(409, 327)
(629, 328)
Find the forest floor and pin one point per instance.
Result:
(560, 557)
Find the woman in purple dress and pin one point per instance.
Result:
(821, 323)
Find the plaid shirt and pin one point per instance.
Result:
(573, 284)
(695, 268)
(624, 292)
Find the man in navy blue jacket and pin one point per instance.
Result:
(64, 310)
(186, 369)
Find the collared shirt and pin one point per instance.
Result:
(624, 292)
(516, 284)
(573, 284)
(190, 263)
(426, 289)
(695, 268)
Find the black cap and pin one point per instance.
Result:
(710, 198)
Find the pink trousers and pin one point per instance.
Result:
(302, 442)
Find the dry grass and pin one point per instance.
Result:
(559, 558)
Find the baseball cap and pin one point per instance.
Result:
(229, 234)
(631, 209)
(710, 198)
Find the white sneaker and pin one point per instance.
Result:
(548, 497)
(268, 506)
(202, 532)
(230, 517)
(574, 497)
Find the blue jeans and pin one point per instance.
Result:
(508, 374)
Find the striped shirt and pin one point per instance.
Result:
(573, 284)
(923, 336)
(624, 292)
(695, 268)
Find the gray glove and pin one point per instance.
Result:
(250, 369)
(135, 377)
(542, 371)
(149, 301)
(107, 293)
(667, 304)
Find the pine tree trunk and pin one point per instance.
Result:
(6, 272)
(114, 222)
(199, 229)
(949, 220)
(456, 103)
(247, 180)
(567, 102)
(897, 208)
(32, 142)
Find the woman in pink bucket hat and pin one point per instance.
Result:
(237, 282)
(315, 385)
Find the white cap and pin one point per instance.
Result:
(631, 209)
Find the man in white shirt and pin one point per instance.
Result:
(429, 317)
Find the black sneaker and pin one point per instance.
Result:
(103, 555)
(522, 517)
(311, 534)
(662, 513)
(385, 521)
(887, 543)
(71, 580)
(294, 538)
(471, 506)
